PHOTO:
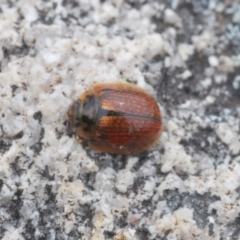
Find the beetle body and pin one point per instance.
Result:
(117, 118)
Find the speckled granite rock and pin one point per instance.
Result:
(186, 53)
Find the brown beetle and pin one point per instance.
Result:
(118, 118)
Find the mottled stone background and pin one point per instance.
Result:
(184, 52)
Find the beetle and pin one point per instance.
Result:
(116, 118)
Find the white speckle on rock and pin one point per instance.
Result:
(104, 180)
(227, 64)
(126, 234)
(180, 221)
(185, 51)
(13, 234)
(204, 41)
(172, 126)
(11, 155)
(174, 4)
(206, 83)
(209, 100)
(29, 11)
(131, 162)
(172, 181)
(175, 156)
(149, 185)
(108, 12)
(103, 218)
(185, 75)
(171, 17)
(97, 235)
(213, 61)
(35, 218)
(236, 82)
(155, 45)
(220, 78)
(51, 60)
(236, 15)
(228, 136)
(124, 180)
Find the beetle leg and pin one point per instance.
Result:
(79, 139)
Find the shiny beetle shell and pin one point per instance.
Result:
(117, 118)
